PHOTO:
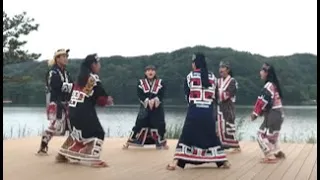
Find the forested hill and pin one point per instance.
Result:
(297, 74)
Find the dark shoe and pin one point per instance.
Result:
(280, 155)
(43, 149)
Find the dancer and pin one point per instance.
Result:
(150, 125)
(198, 142)
(227, 89)
(58, 86)
(269, 104)
(85, 141)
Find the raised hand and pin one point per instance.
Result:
(253, 117)
(110, 101)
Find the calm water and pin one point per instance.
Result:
(300, 122)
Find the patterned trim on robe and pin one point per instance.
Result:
(264, 140)
(142, 136)
(269, 98)
(76, 147)
(213, 154)
(230, 131)
(223, 84)
(155, 86)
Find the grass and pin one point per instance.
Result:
(173, 132)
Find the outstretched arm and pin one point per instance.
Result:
(100, 96)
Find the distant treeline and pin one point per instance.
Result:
(297, 74)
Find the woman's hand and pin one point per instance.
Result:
(151, 104)
(253, 117)
(109, 101)
(156, 102)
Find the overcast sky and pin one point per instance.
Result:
(139, 27)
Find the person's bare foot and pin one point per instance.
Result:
(165, 147)
(226, 165)
(125, 146)
(172, 166)
(269, 160)
(99, 164)
(236, 150)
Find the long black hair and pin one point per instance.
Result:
(272, 77)
(230, 73)
(199, 60)
(85, 69)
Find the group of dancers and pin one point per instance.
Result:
(209, 127)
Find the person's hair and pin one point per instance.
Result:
(227, 66)
(200, 63)
(230, 72)
(272, 77)
(85, 70)
(83, 75)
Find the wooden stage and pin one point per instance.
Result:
(20, 163)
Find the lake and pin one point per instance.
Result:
(299, 125)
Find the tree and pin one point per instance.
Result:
(13, 28)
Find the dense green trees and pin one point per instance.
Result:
(297, 74)
(13, 28)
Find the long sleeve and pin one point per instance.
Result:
(162, 91)
(140, 93)
(69, 86)
(100, 96)
(186, 89)
(230, 92)
(55, 83)
(264, 102)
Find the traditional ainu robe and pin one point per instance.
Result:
(87, 136)
(58, 90)
(198, 142)
(150, 123)
(269, 105)
(227, 89)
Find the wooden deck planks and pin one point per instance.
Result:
(259, 167)
(148, 163)
(293, 170)
(265, 173)
(308, 164)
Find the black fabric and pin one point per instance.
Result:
(149, 118)
(84, 116)
(54, 84)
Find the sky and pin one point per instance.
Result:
(144, 27)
